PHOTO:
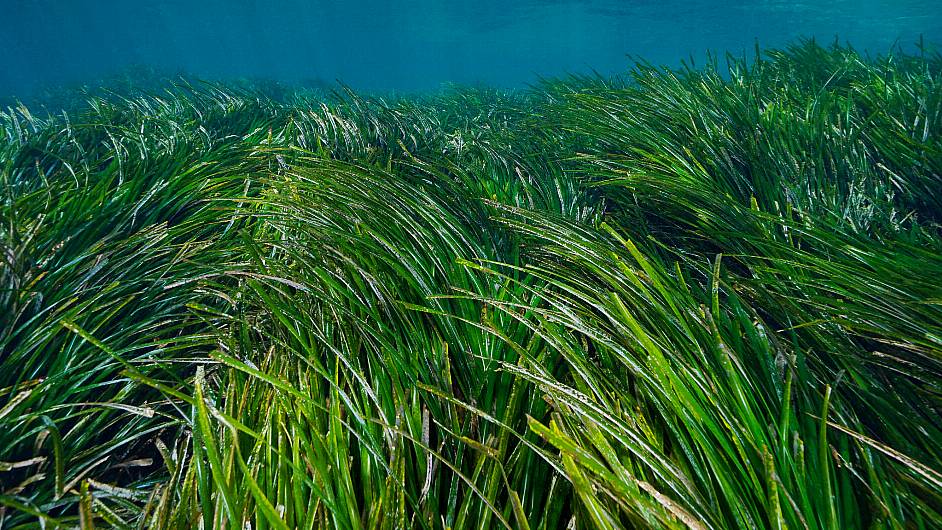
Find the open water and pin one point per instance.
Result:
(387, 45)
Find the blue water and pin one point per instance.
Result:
(418, 44)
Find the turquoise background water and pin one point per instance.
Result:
(418, 44)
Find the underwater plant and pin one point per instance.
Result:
(700, 298)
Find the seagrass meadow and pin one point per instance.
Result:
(707, 298)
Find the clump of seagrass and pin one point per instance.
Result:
(698, 298)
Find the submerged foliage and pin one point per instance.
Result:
(702, 298)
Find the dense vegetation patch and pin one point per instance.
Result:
(704, 298)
